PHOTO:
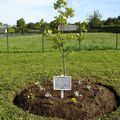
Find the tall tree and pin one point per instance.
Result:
(54, 26)
(118, 20)
(30, 26)
(43, 26)
(109, 21)
(37, 26)
(94, 19)
(21, 25)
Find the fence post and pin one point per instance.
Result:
(7, 42)
(116, 37)
(42, 43)
(79, 36)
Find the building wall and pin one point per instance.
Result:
(2, 30)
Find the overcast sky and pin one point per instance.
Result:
(34, 10)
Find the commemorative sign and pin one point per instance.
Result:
(62, 83)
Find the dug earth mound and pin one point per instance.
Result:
(84, 102)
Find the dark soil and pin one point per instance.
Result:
(94, 100)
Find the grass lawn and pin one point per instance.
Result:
(33, 43)
(17, 70)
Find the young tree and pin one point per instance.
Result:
(82, 31)
(64, 13)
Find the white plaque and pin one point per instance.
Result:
(62, 82)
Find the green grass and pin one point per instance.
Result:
(18, 70)
(31, 43)
(96, 41)
(26, 43)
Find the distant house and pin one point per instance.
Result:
(34, 31)
(67, 28)
(3, 30)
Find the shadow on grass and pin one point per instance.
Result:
(75, 49)
(26, 51)
(93, 49)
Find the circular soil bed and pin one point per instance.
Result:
(84, 102)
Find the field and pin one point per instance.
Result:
(17, 70)
(33, 43)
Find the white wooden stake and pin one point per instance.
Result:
(62, 93)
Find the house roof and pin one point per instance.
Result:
(67, 27)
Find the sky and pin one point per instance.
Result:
(35, 10)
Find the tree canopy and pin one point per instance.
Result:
(64, 12)
(94, 19)
(21, 25)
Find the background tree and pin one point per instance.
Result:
(11, 29)
(1, 23)
(37, 26)
(54, 26)
(110, 21)
(118, 20)
(30, 26)
(21, 25)
(44, 26)
(94, 20)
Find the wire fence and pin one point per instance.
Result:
(39, 43)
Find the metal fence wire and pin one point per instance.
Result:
(41, 43)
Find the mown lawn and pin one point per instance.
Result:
(33, 43)
(18, 70)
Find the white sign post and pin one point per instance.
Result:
(62, 83)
